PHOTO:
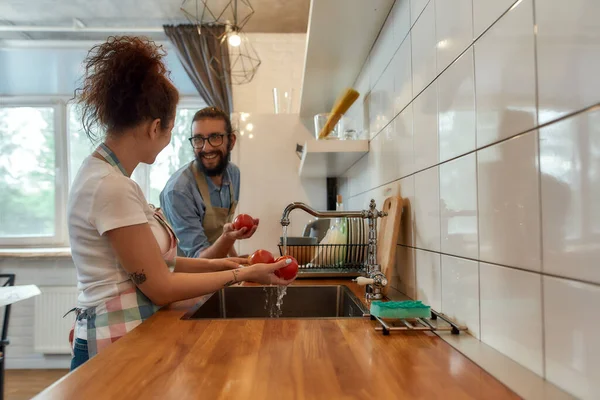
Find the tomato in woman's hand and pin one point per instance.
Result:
(261, 257)
(243, 221)
(289, 271)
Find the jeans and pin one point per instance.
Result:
(80, 353)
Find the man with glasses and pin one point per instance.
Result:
(200, 199)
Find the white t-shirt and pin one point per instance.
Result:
(102, 199)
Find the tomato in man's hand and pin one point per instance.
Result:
(243, 221)
(261, 257)
(289, 271)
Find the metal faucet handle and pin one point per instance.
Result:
(379, 279)
(376, 279)
(362, 281)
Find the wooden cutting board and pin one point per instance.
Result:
(387, 237)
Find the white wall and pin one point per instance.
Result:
(282, 64)
(502, 215)
(268, 160)
(44, 272)
(269, 167)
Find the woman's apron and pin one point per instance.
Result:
(214, 217)
(116, 316)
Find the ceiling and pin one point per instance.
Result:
(270, 16)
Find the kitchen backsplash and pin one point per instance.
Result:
(479, 114)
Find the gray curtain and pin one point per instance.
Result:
(206, 61)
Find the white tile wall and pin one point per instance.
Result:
(458, 207)
(454, 29)
(407, 192)
(572, 346)
(382, 102)
(460, 292)
(382, 52)
(416, 8)
(491, 212)
(568, 56)
(570, 179)
(508, 203)
(387, 161)
(429, 278)
(425, 126)
(485, 12)
(400, 15)
(427, 210)
(511, 314)
(402, 126)
(406, 273)
(359, 175)
(423, 49)
(456, 108)
(505, 76)
(402, 70)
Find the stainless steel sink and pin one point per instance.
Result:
(299, 302)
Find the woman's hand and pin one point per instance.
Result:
(225, 264)
(265, 273)
(239, 260)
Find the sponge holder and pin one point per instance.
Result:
(437, 322)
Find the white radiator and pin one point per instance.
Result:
(51, 330)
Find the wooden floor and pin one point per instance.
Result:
(23, 384)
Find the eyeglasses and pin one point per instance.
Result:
(214, 139)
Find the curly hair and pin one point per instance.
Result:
(125, 83)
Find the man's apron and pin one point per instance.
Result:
(214, 217)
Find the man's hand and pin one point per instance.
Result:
(232, 234)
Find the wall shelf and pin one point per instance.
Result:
(330, 158)
(339, 38)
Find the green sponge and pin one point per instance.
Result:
(400, 309)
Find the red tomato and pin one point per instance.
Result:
(261, 257)
(289, 271)
(243, 221)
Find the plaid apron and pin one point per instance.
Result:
(114, 317)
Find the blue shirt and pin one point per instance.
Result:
(184, 207)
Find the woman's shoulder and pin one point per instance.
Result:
(97, 177)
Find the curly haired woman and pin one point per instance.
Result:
(123, 249)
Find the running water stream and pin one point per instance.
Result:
(284, 240)
(274, 303)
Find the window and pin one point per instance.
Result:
(79, 145)
(44, 145)
(151, 178)
(30, 190)
(177, 154)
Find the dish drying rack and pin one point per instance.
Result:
(418, 324)
(333, 260)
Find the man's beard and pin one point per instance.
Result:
(219, 168)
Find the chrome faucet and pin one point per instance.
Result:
(372, 270)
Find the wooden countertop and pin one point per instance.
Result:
(170, 358)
